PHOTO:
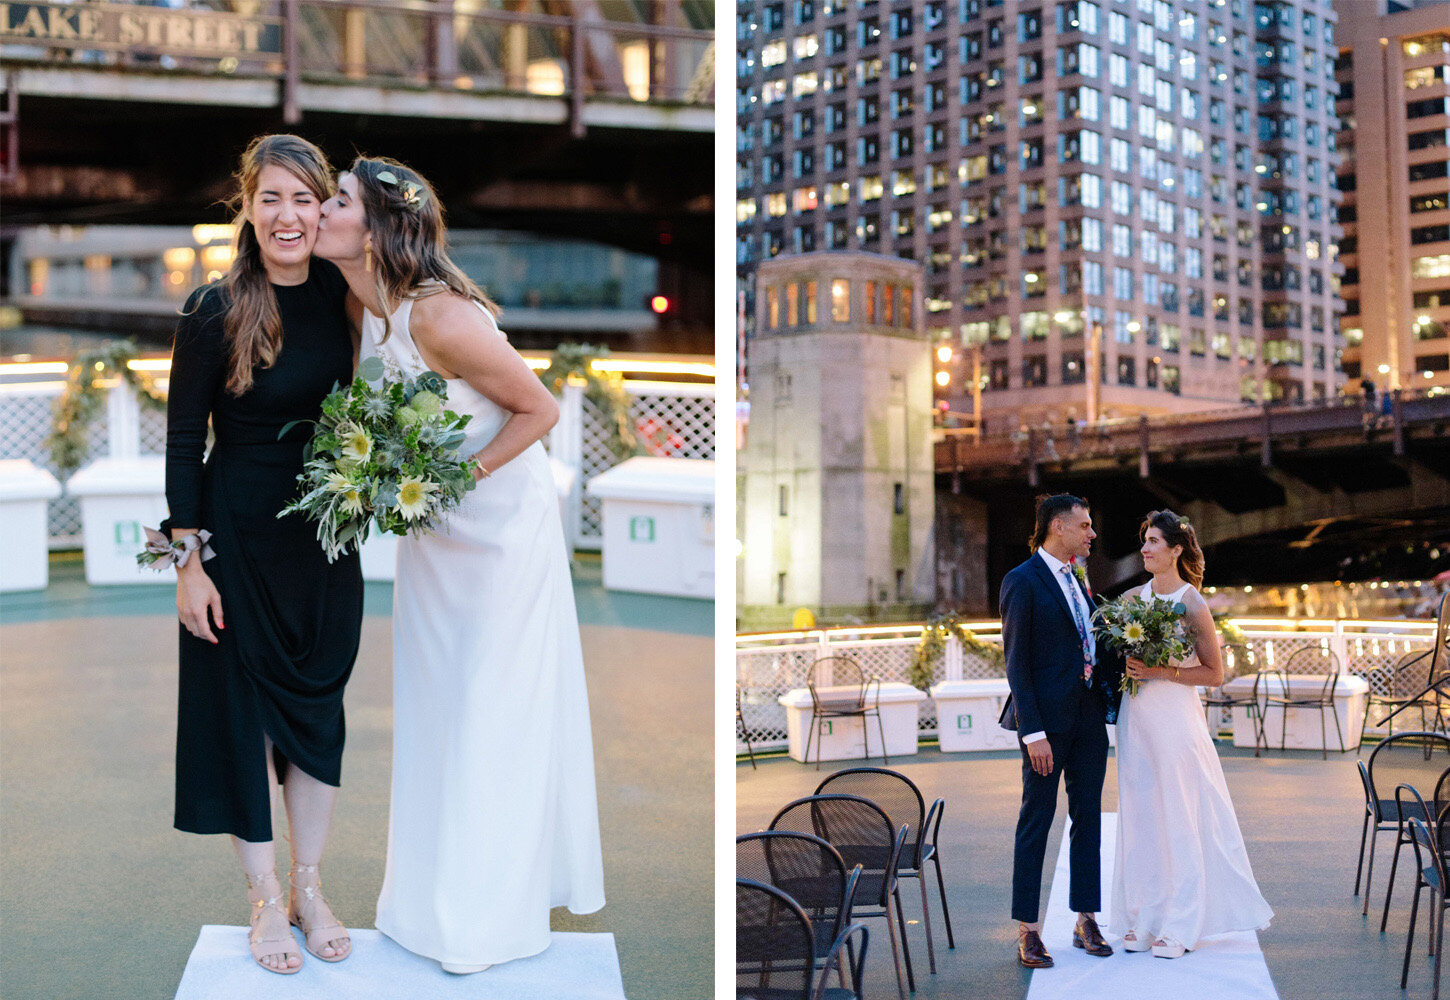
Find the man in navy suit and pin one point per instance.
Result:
(1060, 702)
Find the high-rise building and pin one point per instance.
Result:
(1153, 178)
(1394, 106)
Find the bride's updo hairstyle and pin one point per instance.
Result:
(409, 252)
(1177, 531)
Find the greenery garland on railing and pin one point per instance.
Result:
(83, 398)
(604, 389)
(933, 646)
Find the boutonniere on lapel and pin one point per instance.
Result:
(1079, 570)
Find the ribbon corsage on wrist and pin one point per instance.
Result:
(161, 552)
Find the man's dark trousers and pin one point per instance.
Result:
(1081, 756)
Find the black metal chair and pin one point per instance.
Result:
(1409, 804)
(840, 689)
(863, 834)
(775, 949)
(1431, 874)
(1414, 759)
(1314, 661)
(807, 869)
(1407, 687)
(903, 802)
(1239, 661)
(742, 732)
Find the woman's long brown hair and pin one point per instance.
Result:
(1177, 531)
(252, 324)
(409, 249)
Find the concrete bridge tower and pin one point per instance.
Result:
(837, 493)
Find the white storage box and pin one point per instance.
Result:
(659, 526)
(118, 497)
(24, 491)
(844, 738)
(967, 713)
(1350, 692)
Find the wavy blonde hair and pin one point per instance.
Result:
(409, 249)
(252, 324)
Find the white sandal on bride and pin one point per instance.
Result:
(1132, 942)
(1168, 948)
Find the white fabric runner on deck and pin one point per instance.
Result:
(577, 966)
(1229, 965)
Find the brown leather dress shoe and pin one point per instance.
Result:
(1087, 937)
(1031, 953)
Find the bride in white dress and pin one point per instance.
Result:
(493, 818)
(1182, 873)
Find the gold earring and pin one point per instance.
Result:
(368, 252)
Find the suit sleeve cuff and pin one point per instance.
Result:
(1034, 737)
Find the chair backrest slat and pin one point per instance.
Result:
(1417, 759)
(774, 944)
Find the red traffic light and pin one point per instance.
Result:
(660, 304)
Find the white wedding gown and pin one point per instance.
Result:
(1182, 871)
(493, 818)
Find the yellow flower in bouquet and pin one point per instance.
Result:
(1155, 632)
(415, 496)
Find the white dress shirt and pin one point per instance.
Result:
(1074, 596)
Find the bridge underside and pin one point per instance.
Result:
(1351, 512)
(633, 184)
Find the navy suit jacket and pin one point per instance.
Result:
(1044, 655)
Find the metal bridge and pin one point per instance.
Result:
(1275, 493)
(592, 118)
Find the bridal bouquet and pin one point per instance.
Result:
(1155, 632)
(384, 452)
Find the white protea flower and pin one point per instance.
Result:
(357, 446)
(352, 501)
(415, 496)
(1133, 632)
(338, 483)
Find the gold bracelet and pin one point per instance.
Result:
(482, 468)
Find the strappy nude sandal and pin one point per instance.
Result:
(270, 947)
(317, 935)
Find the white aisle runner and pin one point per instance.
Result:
(1226, 966)
(574, 966)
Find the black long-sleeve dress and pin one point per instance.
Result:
(293, 620)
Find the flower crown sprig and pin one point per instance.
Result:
(413, 194)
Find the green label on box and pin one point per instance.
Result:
(964, 723)
(641, 529)
(128, 535)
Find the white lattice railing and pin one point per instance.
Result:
(675, 420)
(769, 664)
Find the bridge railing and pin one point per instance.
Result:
(769, 664)
(956, 449)
(440, 44)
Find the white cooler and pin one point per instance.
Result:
(118, 497)
(967, 713)
(844, 738)
(25, 490)
(659, 525)
(1350, 693)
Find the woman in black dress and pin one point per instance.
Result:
(270, 628)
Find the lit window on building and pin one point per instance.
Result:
(775, 204)
(840, 300)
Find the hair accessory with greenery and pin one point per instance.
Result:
(412, 193)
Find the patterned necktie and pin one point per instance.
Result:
(1087, 650)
